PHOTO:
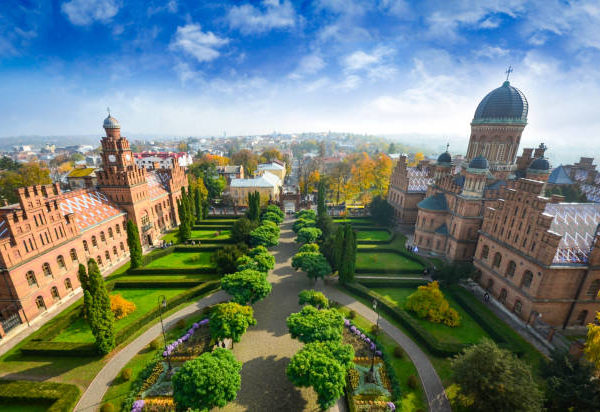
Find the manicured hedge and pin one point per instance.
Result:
(213, 226)
(156, 254)
(171, 271)
(156, 284)
(62, 396)
(209, 241)
(209, 217)
(442, 349)
(48, 348)
(392, 283)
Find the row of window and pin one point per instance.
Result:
(39, 300)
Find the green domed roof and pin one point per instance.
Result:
(506, 104)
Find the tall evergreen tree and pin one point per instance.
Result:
(253, 206)
(198, 205)
(348, 257)
(101, 318)
(338, 247)
(85, 284)
(321, 206)
(185, 220)
(135, 247)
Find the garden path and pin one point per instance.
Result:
(92, 397)
(434, 390)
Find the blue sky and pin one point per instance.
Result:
(183, 67)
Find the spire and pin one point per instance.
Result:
(508, 72)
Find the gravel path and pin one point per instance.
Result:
(434, 390)
(92, 397)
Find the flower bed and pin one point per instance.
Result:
(156, 392)
(362, 394)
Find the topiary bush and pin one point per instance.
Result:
(126, 374)
(398, 352)
(352, 314)
(156, 344)
(107, 407)
(412, 382)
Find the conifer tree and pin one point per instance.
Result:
(198, 205)
(85, 284)
(101, 318)
(185, 225)
(253, 206)
(348, 257)
(338, 247)
(135, 247)
(321, 207)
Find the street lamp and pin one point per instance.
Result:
(372, 370)
(162, 305)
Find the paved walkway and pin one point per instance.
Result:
(434, 390)
(92, 397)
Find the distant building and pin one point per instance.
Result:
(162, 160)
(540, 257)
(267, 184)
(276, 167)
(230, 172)
(82, 177)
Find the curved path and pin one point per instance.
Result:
(92, 397)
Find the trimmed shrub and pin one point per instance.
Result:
(120, 306)
(48, 348)
(156, 344)
(180, 324)
(352, 314)
(61, 396)
(126, 374)
(107, 407)
(398, 352)
(412, 382)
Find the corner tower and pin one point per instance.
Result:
(497, 127)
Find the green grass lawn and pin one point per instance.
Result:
(359, 221)
(397, 243)
(145, 300)
(412, 399)
(386, 260)
(182, 259)
(219, 222)
(161, 278)
(469, 330)
(380, 235)
(171, 237)
(24, 406)
(210, 234)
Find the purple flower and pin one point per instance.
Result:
(357, 332)
(378, 353)
(346, 322)
(203, 322)
(196, 325)
(137, 405)
(362, 336)
(372, 346)
(165, 353)
(353, 329)
(367, 340)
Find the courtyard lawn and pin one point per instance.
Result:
(357, 221)
(388, 261)
(210, 234)
(145, 300)
(162, 278)
(171, 237)
(468, 332)
(378, 235)
(182, 260)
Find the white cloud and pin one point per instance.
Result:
(273, 14)
(375, 65)
(491, 52)
(490, 23)
(86, 12)
(203, 46)
(309, 65)
(170, 6)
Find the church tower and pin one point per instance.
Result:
(125, 183)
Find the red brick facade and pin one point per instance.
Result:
(408, 186)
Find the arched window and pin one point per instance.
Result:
(118, 228)
(31, 280)
(485, 251)
(592, 292)
(73, 254)
(99, 260)
(102, 237)
(54, 293)
(122, 246)
(85, 246)
(125, 226)
(110, 232)
(581, 318)
(68, 284)
(107, 256)
(497, 260)
(512, 266)
(61, 262)
(94, 242)
(490, 285)
(527, 279)
(46, 269)
(115, 251)
(41, 305)
(518, 306)
(502, 297)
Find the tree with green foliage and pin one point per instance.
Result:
(246, 262)
(230, 321)
(495, 378)
(246, 287)
(347, 262)
(100, 316)
(306, 214)
(308, 235)
(270, 216)
(240, 231)
(302, 223)
(322, 366)
(135, 247)
(199, 200)
(267, 234)
(572, 193)
(211, 380)
(381, 211)
(571, 384)
(321, 205)
(309, 247)
(84, 280)
(312, 325)
(274, 209)
(314, 264)
(314, 298)
(185, 226)
(452, 272)
(264, 260)
(225, 258)
(253, 212)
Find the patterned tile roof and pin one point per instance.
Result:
(3, 228)
(157, 184)
(577, 223)
(418, 179)
(591, 192)
(89, 207)
(581, 175)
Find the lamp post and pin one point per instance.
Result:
(162, 304)
(372, 369)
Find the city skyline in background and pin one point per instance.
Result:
(391, 68)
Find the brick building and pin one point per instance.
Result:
(45, 236)
(408, 186)
(539, 256)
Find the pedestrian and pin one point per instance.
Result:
(486, 297)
